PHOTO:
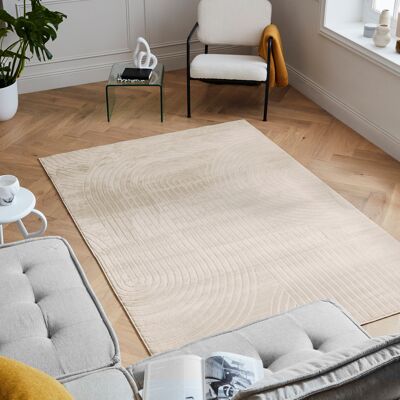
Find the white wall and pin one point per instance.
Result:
(96, 34)
(360, 93)
(99, 33)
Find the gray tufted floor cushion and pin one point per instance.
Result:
(313, 352)
(51, 320)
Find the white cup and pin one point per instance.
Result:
(9, 187)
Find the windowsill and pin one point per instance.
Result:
(351, 36)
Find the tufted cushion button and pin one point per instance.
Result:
(291, 359)
(314, 345)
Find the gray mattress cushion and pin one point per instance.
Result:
(314, 352)
(382, 384)
(49, 316)
(107, 384)
(282, 341)
(344, 367)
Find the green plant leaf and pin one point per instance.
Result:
(34, 30)
(4, 32)
(12, 54)
(7, 18)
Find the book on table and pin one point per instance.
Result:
(219, 377)
(136, 74)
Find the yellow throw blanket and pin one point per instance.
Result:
(279, 75)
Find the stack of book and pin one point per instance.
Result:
(135, 74)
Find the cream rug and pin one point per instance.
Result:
(208, 229)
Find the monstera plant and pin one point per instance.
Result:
(22, 38)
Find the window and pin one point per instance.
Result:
(373, 8)
(380, 5)
(343, 22)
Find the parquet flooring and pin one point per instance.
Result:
(74, 118)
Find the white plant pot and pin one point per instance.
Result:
(8, 101)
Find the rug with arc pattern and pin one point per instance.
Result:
(205, 230)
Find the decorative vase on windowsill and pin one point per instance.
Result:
(385, 18)
(382, 36)
(33, 29)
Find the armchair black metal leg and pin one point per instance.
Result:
(265, 118)
(189, 111)
(267, 83)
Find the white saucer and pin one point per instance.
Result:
(22, 206)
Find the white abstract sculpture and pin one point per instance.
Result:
(144, 59)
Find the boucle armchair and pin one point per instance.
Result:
(236, 23)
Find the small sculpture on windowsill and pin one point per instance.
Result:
(382, 36)
(385, 18)
(144, 59)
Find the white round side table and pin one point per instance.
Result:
(23, 205)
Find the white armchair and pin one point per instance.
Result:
(230, 22)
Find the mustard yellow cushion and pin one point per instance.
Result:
(21, 382)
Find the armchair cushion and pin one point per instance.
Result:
(229, 67)
(243, 21)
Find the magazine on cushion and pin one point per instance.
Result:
(219, 377)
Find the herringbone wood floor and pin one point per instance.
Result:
(73, 118)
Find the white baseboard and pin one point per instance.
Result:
(64, 78)
(352, 118)
(40, 77)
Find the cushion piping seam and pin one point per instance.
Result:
(368, 352)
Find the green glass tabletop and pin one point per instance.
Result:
(156, 78)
